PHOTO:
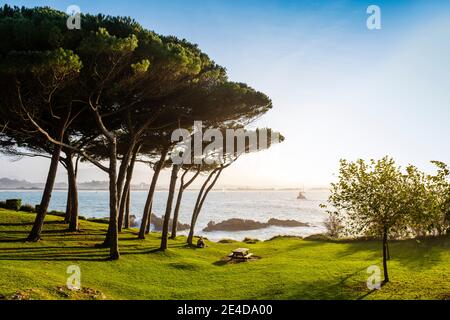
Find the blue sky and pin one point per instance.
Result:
(339, 89)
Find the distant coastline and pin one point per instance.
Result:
(165, 189)
(7, 184)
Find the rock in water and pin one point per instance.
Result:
(235, 225)
(243, 224)
(158, 222)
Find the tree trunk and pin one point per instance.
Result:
(131, 151)
(69, 199)
(123, 171)
(35, 233)
(165, 230)
(112, 235)
(178, 203)
(111, 239)
(388, 253)
(148, 223)
(173, 234)
(206, 193)
(122, 205)
(199, 204)
(125, 192)
(385, 249)
(127, 210)
(146, 216)
(73, 219)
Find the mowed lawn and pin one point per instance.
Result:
(288, 268)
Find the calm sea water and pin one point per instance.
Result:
(219, 206)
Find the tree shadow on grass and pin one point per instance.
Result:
(13, 240)
(13, 232)
(308, 244)
(129, 239)
(142, 251)
(44, 253)
(220, 262)
(72, 252)
(57, 231)
(365, 295)
(74, 235)
(408, 253)
(308, 290)
(370, 249)
(331, 289)
(351, 275)
(16, 224)
(189, 246)
(69, 253)
(419, 255)
(21, 237)
(52, 232)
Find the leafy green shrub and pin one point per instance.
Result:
(99, 220)
(27, 208)
(334, 226)
(226, 241)
(281, 237)
(13, 204)
(3, 204)
(319, 237)
(251, 241)
(57, 213)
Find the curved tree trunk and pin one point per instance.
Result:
(165, 229)
(35, 233)
(69, 199)
(200, 202)
(130, 154)
(385, 250)
(173, 234)
(112, 234)
(126, 188)
(146, 216)
(127, 210)
(197, 203)
(73, 218)
(149, 220)
(111, 239)
(183, 187)
(199, 208)
(123, 172)
(388, 253)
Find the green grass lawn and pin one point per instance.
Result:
(289, 268)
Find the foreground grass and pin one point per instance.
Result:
(289, 268)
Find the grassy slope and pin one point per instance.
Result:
(289, 268)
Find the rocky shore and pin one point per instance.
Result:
(243, 225)
(157, 223)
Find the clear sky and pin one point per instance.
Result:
(339, 89)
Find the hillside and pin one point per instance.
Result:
(288, 268)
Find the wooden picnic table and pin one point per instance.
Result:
(240, 254)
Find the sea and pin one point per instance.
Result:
(260, 205)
